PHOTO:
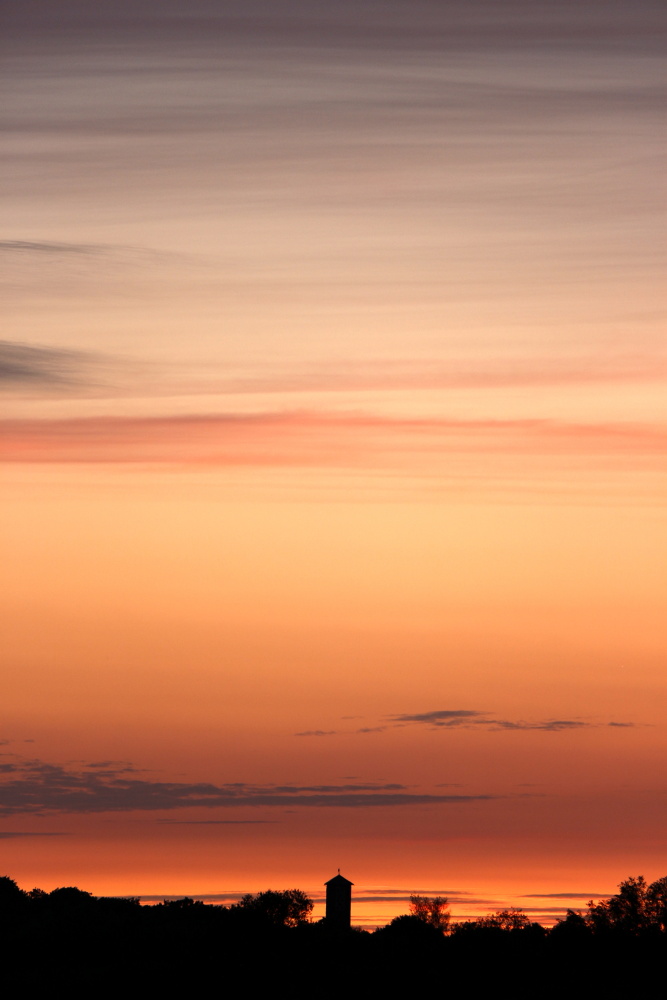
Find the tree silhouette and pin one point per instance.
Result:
(11, 897)
(185, 903)
(71, 899)
(511, 919)
(637, 907)
(656, 904)
(432, 910)
(280, 908)
(409, 930)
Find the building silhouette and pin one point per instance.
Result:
(339, 902)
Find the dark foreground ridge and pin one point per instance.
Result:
(266, 941)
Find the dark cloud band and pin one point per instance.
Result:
(35, 787)
(27, 366)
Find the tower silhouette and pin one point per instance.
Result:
(339, 902)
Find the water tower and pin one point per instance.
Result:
(339, 902)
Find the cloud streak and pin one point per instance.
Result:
(32, 366)
(25, 366)
(34, 787)
(467, 719)
(563, 895)
(446, 717)
(36, 371)
(11, 834)
(318, 732)
(34, 253)
(407, 374)
(307, 438)
(218, 822)
(464, 718)
(26, 247)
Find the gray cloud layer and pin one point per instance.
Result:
(336, 24)
(28, 366)
(37, 787)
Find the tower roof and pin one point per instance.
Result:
(338, 879)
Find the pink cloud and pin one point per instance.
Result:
(310, 439)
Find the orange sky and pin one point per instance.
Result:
(333, 449)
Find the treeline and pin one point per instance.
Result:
(70, 937)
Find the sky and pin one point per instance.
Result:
(333, 449)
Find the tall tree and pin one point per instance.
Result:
(636, 907)
(281, 908)
(432, 910)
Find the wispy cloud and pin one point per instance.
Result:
(49, 271)
(546, 726)
(387, 375)
(50, 248)
(218, 822)
(562, 895)
(445, 717)
(341, 732)
(36, 371)
(29, 254)
(311, 439)
(11, 834)
(318, 732)
(29, 366)
(465, 718)
(37, 787)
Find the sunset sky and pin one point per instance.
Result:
(333, 436)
